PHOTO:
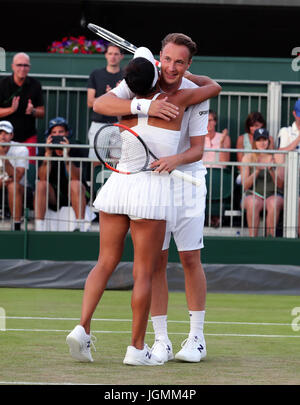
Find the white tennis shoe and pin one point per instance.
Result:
(193, 350)
(79, 344)
(162, 349)
(144, 357)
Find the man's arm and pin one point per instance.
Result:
(118, 102)
(10, 171)
(193, 154)
(5, 111)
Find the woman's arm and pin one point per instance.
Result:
(248, 178)
(209, 88)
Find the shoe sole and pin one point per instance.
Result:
(137, 363)
(185, 359)
(74, 347)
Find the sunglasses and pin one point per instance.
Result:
(24, 65)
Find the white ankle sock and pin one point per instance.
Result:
(196, 323)
(160, 326)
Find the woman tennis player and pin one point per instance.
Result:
(141, 203)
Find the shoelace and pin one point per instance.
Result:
(157, 342)
(92, 342)
(190, 342)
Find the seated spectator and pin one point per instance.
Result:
(216, 140)
(289, 137)
(254, 121)
(263, 185)
(50, 172)
(289, 140)
(13, 172)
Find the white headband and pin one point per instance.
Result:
(145, 53)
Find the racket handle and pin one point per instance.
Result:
(187, 177)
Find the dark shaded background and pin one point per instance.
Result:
(218, 30)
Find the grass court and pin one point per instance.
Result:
(250, 340)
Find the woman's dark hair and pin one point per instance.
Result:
(252, 118)
(139, 76)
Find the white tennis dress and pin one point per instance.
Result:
(145, 194)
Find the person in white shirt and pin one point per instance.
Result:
(188, 230)
(289, 137)
(12, 172)
(289, 140)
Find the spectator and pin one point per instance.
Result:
(263, 185)
(13, 172)
(100, 82)
(21, 101)
(50, 172)
(289, 137)
(216, 140)
(254, 121)
(289, 140)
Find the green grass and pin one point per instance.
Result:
(238, 353)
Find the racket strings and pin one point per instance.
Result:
(108, 145)
(121, 150)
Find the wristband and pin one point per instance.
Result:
(140, 106)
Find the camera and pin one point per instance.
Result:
(57, 139)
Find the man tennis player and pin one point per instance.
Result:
(176, 57)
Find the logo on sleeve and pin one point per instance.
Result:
(203, 113)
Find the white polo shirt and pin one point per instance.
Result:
(287, 135)
(194, 122)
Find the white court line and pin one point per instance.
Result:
(170, 333)
(129, 320)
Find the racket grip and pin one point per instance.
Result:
(187, 177)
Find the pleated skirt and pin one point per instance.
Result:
(145, 195)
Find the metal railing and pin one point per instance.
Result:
(66, 95)
(224, 197)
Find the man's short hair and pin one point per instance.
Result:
(139, 75)
(112, 44)
(180, 39)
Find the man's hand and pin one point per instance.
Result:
(163, 109)
(29, 108)
(15, 104)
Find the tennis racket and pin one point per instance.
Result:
(122, 150)
(115, 39)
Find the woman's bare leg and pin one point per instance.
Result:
(113, 229)
(148, 237)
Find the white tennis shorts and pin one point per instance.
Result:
(190, 216)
